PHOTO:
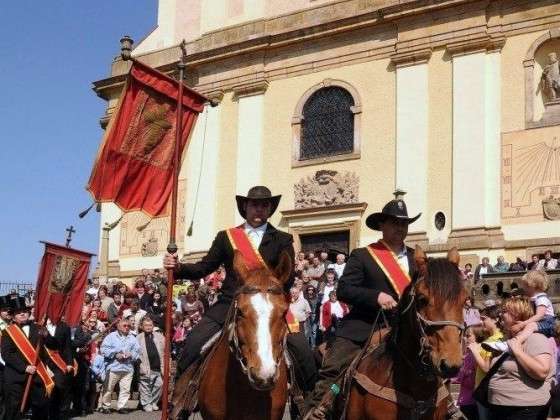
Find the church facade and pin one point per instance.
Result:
(337, 104)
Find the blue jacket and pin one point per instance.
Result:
(116, 343)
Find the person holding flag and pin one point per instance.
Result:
(374, 278)
(18, 349)
(260, 242)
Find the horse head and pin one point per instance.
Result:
(436, 302)
(258, 329)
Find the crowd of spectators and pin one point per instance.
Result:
(313, 297)
(547, 262)
(512, 355)
(119, 343)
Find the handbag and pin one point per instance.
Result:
(480, 394)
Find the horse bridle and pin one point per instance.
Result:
(233, 338)
(423, 324)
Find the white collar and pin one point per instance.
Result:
(261, 228)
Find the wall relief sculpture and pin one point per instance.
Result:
(531, 175)
(551, 208)
(326, 188)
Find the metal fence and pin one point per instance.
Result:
(20, 288)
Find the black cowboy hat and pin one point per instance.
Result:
(18, 305)
(257, 193)
(395, 209)
(5, 302)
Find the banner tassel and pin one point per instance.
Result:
(86, 211)
(144, 226)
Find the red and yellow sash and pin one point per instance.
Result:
(253, 260)
(387, 261)
(24, 346)
(59, 362)
(240, 241)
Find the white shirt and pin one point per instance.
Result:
(25, 330)
(93, 291)
(326, 291)
(402, 259)
(255, 234)
(483, 270)
(338, 269)
(300, 309)
(336, 309)
(551, 264)
(51, 328)
(541, 299)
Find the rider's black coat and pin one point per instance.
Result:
(273, 243)
(359, 286)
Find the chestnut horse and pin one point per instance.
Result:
(246, 376)
(405, 381)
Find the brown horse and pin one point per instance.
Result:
(404, 381)
(246, 376)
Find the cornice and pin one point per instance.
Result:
(257, 87)
(411, 58)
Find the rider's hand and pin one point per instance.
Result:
(69, 369)
(386, 301)
(30, 369)
(170, 261)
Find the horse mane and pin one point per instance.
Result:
(443, 280)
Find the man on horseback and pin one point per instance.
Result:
(373, 279)
(269, 243)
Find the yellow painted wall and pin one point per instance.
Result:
(376, 168)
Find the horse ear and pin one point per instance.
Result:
(421, 260)
(453, 256)
(283, 270)
(239, 266)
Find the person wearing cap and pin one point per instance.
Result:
(367, 289)
(256, 208)
(17, 347)
(5, 321)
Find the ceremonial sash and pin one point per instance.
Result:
(240, 241)
(387, 261)
(59, 362)
(24, 346)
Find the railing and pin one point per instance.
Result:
(20, 288)
(494, 285)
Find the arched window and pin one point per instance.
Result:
(326, 124)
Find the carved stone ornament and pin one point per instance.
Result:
(150, 248)
(551, 208)
(326, 188)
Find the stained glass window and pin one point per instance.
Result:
(328, 124)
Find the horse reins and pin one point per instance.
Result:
(423, 324)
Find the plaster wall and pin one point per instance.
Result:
(412, 140)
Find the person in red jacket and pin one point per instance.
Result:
(331, 312)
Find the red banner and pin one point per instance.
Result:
(387, 261)
(61, 284)
(134, 166)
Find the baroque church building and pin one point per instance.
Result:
(335, 104)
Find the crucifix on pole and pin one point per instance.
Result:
(70, 231)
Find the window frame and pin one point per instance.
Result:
(297, 121)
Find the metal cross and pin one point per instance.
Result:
(70, 231)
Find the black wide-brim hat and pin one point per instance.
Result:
(18, 305)
(257, 193)
(395, 209)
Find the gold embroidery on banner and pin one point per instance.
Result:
(62, 274)
(151, 133)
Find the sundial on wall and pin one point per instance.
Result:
(530, 173)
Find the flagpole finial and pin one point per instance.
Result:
(399, 194)
(126, 47)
